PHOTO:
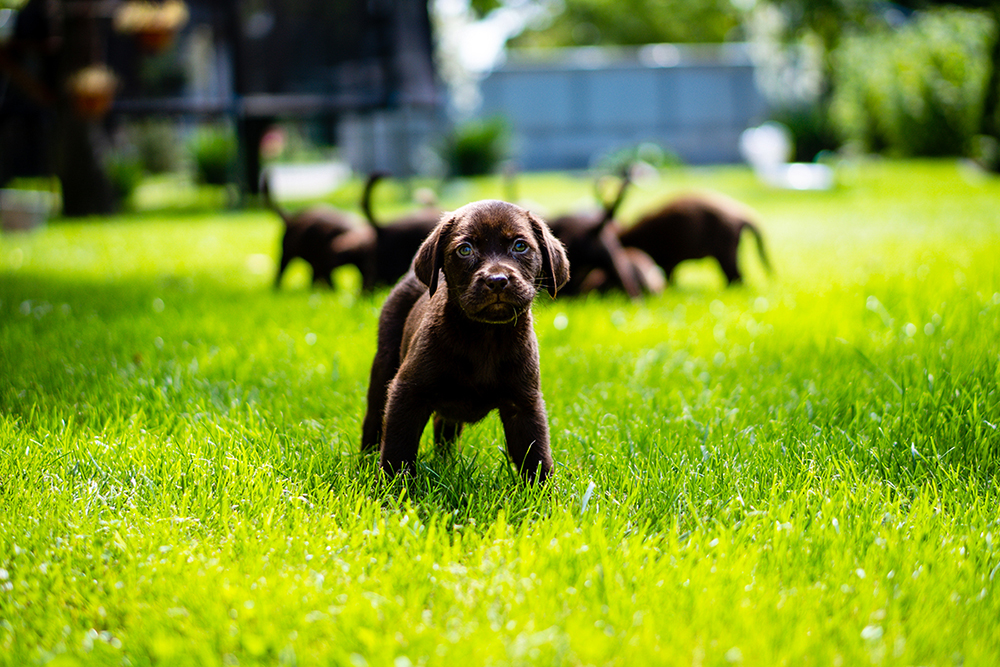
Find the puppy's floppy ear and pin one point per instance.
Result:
(555, 265)
(430, 257)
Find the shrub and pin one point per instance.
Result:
(812, 130)
(916, 91)
(213, 149)
(476, 147)
(125, 171)
(156, 141)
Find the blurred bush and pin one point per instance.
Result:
(476, 147)
(125, 171)
(213, 150)
(636, 22)
(915, 91)
(813, 131)
(156, 141)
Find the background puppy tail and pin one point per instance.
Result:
(366, 197)
(265, 194)
(620, 262)
(611, 209)
(765, 260)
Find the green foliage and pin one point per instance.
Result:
(476, 147)
(163, 74)
(803, 470)
(634, 22)
(300, 141)
(916, 91)
(213, 150)
(125, 170)
(811, 128)
(828, 20)
(156, 142)
(483, 7)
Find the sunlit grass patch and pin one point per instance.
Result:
(799, 470)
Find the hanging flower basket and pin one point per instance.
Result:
(154, 24)
(92, 90)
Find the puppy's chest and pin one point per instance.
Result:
(466, 391)
(478, 371)
(474, 374)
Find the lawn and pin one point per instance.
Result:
(800, 471)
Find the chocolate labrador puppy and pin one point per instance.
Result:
(646, 273)
(592, 245)
(328, 239)
(309, 234)
(394, 244)
(456, 341)
(692, 227)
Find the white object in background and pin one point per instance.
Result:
(306, 181)
(768, 148)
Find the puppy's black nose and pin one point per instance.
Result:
(497, 282)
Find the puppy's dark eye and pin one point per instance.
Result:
(520, 246)
(464, 250)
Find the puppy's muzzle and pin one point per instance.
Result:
(497, 295)
(497, 282)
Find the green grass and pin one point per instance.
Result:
(802, 471)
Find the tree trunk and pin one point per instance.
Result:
(81, 143)
(80, 149)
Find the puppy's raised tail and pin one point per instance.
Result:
(746, 224)
(618, 259)
(265, 195)
(366, 197)
(611, 208)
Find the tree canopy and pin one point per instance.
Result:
(632, 22)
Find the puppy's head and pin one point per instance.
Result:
(494, 256)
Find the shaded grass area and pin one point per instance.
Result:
(799, 471)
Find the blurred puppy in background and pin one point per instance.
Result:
(394, 244)
(692, 227)
(328, 238)
(593, 248)
(309, 234)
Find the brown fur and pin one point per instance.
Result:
(646, 273)
(592, 245)
(328, 239)
(456, 340)
(692, 227)
(395, 242)
(309, 234)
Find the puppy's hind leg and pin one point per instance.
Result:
(322, 277)
(383, 369)
(730, 266)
